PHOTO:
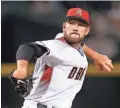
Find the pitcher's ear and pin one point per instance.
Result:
(63, 27)
(87, 30)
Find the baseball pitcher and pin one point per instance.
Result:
(60, 67)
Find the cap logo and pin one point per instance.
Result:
(79, 12)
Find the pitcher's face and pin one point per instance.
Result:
(75, 31)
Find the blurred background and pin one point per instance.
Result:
(28, 21)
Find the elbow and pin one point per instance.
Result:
(25, 52)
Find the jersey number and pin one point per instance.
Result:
(78, 73)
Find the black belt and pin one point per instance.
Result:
(39, 105)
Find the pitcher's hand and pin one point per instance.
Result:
(103, 63)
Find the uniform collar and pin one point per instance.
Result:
(80, 50)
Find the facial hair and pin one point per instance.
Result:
(69, 40)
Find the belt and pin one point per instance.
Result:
(39, 105)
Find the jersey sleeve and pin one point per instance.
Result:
(50, 57)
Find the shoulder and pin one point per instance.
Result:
(59, 35)
(55, 43)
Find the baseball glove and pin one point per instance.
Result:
(22, 86)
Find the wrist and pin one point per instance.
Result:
(21, 71)
(22, 64)
(95, 56)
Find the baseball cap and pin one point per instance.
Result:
(78, 13)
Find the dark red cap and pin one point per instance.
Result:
(78, 13)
